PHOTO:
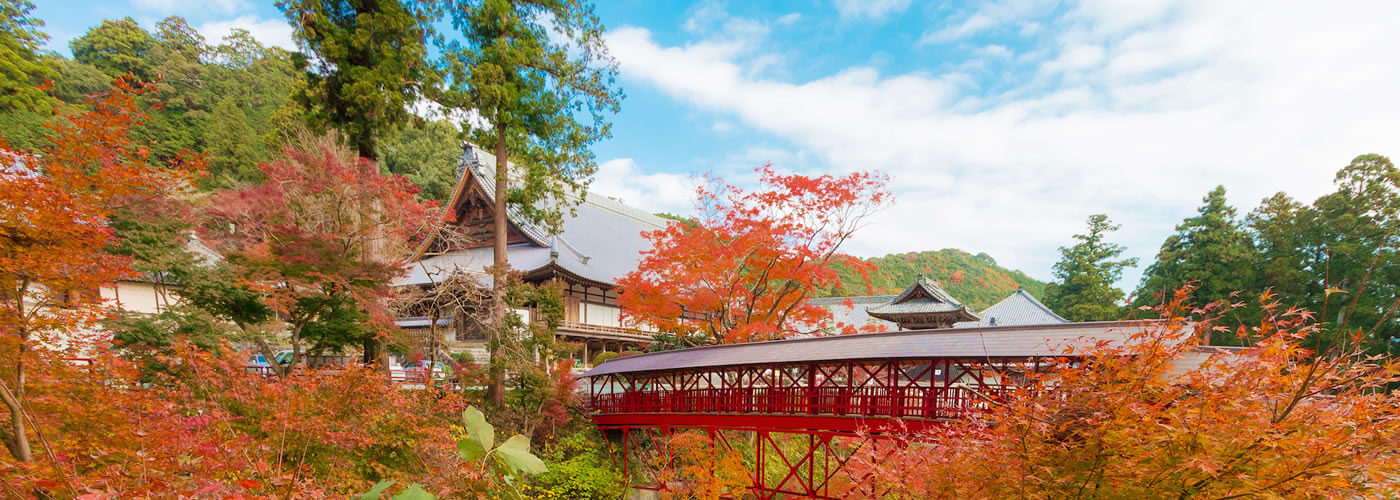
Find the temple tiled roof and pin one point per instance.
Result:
(924, 296)
(1019, 308)
(851, 310)
(601, 241)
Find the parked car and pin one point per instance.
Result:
(441, 371)
(284, 357)
(257, 363)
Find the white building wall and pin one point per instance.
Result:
(138, 296)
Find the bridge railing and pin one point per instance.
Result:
(927, 402)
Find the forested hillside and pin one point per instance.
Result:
(976, 280)
(229, 99)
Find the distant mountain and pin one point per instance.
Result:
(976, 280)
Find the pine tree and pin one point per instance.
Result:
(1357, 237)
(1211, 248)
(1083, 289)
(1283, 231)
(544, 88)
(365, 64)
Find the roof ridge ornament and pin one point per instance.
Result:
(468, 155)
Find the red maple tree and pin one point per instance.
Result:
(54, 208)
(325, 234)
(745, 269)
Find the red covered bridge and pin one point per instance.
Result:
(794, 408)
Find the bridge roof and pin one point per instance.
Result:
(981, 342)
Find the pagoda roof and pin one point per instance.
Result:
(923, 297)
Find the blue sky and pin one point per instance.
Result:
(1003, 124)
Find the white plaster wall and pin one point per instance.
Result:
(137, 296)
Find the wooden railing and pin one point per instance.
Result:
(614, 330)
(904, 402)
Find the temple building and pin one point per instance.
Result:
(926, 305)
(599, 243)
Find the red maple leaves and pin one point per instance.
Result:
(744, 272)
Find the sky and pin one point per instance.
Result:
(1003, 124)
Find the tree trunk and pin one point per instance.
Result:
(296, 349)
(432, 346)
(271, 356)
(373, 346)
(18, 442)
(495, 390)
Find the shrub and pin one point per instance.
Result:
(579, 468)
(603, 357)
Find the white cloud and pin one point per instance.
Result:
(993, 51)
(1132, 112)
(987, 16)
(870, 9)
(789, 19)
(711, 19)
(704, 15)
(272, 32)
(621, 178)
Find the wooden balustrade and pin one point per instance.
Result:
(917, 402)
(612, 330)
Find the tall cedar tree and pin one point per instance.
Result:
(539, 74)
(54, 207)
(745, 270)
(21, 69)
(1083, 287)
(1212, 247)
(1284, 253)
(324, 237)
(1356, 233)
(367, 64)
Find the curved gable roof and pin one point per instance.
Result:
(600, 241)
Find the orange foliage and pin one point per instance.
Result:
(701, 468)
(191, 425)
(744, 271)
(208, 428)
(54, 207)
(1274, 420)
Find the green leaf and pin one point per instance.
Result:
(470, 450)
(415, 492)
(378, 490)
(477, 428)
(516, 454)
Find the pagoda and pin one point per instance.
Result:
(924, 305)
